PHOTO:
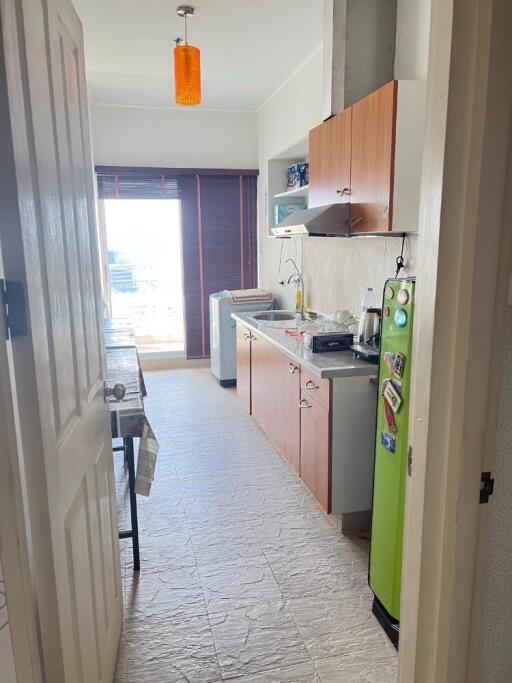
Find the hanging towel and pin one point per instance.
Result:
(247, 296)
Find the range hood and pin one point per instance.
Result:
(330, 220)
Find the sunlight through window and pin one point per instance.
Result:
(146, 274)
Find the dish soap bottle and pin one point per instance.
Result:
(298, 295)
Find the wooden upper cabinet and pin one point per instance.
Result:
(373, 147)
(329, 161)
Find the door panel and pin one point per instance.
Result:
(329, 160)
(243, 366)
(285, 411)
(373, 147)
(67, 440)
(315, 451)
(261, 361)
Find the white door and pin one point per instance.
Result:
(51, 246)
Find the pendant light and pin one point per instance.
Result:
(187, 66)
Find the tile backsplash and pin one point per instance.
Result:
(338, 271)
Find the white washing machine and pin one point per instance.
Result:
(223, 329)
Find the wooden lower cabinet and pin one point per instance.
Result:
(285, 416)
(243, 366)
(269, 386)
(262, 355)
(315, 450)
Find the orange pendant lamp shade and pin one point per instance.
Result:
(187, 75)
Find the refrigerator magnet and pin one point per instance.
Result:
(389, 359)
(392, 396)
(388, 442)
(390, 420)
(399, 365)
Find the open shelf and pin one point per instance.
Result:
(298, 192)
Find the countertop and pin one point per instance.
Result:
(326, 365)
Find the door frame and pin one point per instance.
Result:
(465, 236)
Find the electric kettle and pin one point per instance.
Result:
(369, 326)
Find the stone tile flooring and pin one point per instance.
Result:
(243, 577)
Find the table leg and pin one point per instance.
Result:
(130, 461)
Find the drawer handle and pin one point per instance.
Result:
(304, 404)
(311, 385)
(343, 192)
(355, 221)
(292, 368)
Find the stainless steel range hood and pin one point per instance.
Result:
(330, 220)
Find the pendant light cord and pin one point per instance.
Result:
(186, 30)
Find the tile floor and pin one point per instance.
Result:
(243, 577)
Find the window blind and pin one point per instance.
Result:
(137, 183)
(219, 246)
(219, 231)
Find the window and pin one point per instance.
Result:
(145, 269)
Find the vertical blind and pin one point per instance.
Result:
(219, 232)
(219, 246)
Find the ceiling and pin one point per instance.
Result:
(248, 47)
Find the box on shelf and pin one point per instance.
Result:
(283, 209)
(298, 175)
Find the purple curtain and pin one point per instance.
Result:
(219, 245)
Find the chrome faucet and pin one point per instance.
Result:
(297, 277)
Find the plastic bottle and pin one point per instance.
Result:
(369, 299)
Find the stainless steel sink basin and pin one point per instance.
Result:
(273, 316)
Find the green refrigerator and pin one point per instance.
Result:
(391, 449)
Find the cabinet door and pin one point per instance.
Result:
(261, 372)
(373, 147)
(243, 366)
(329, 160)
(285, 411)
(315, 464)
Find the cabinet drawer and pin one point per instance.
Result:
(312, 386)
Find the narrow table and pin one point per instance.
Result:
(126, 392)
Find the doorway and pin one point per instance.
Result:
(146, 272)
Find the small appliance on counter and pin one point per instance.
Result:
(223, 327)
(321, 342)
(391, 449)
(368, 336)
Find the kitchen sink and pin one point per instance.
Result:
(274, 316)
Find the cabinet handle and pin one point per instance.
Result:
(311, 385)
(343, 192)
(247, 336)
(355, 221)
(304, 404)
(292, 368)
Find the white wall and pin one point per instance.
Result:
(495, 661)
(283, 121)
(336, 270)
(189, 138)
(412, 39)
